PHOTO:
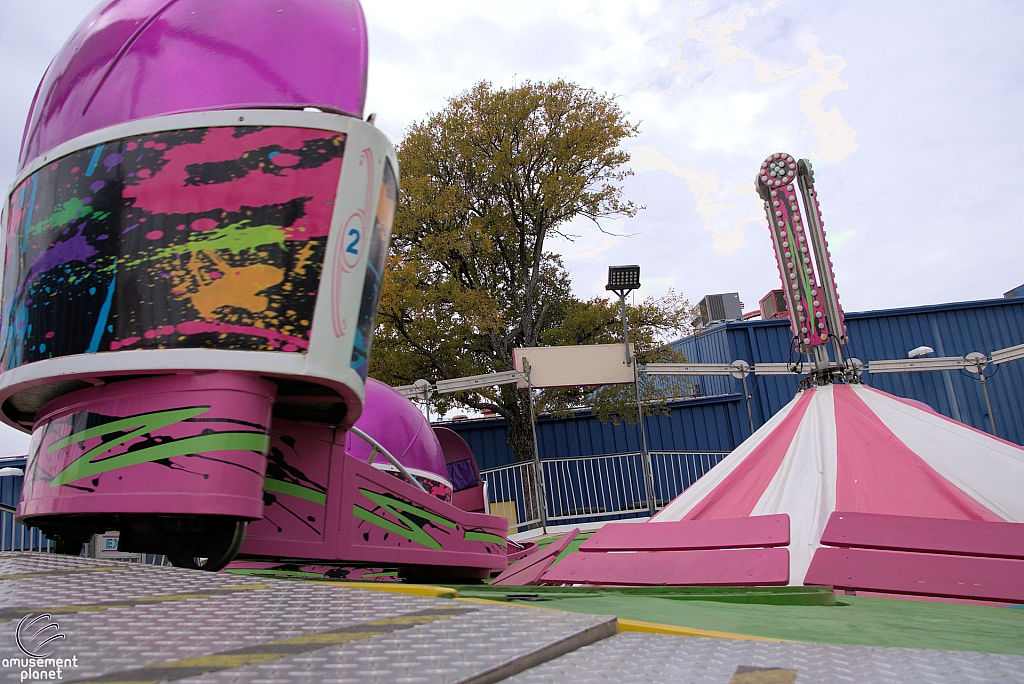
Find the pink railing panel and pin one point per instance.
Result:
(530, 569)
(930, 535)
(703, 567)
(991, 579)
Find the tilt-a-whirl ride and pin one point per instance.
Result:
(194, 248)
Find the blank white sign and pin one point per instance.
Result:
(574, 366)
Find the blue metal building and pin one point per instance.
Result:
(10, 486)
(14, 536)
(717, 421)
(950, 329)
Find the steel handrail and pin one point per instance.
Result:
(379, 448)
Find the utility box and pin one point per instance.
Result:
(718, 308)
(773, 305)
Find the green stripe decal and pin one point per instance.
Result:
(390, 503)
(140, 424)
(291, 489)
(85, 466)
(408, 527)
(470, 535)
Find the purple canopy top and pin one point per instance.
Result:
(133, 59)
(398, 425)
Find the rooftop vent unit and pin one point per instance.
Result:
(773, 305)
(718, 308)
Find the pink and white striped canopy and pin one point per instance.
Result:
(854, 448)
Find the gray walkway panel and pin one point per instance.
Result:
(634, 657)
(134, 623)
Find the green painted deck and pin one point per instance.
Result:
(769, 612)
(853, 620)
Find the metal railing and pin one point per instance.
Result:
(16, 537)
(674, 471)
(594, 488)
(513, 491)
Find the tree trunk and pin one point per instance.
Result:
(520, 428)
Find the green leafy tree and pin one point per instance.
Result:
(486, 182)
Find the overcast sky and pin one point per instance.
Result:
(910, 111)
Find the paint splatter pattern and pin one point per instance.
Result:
(89, 452)
(200, 238)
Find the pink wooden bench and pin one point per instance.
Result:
(530, 569)
(922, 556)
(735, 551)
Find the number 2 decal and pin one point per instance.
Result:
(351, 249)
(347, 252)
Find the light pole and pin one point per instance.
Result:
(622, 280)
(424, 389)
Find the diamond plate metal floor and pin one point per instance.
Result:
(636, 657)
(134, 623)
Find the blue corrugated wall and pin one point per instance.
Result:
(718, 422)
(10, 486)
(950, 329)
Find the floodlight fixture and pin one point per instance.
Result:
(919, 351)
(623, 279)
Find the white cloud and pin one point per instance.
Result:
(833, 139)
(836, 242)
(734, 103)
(703, 185)
(716, 87)
(607, 242)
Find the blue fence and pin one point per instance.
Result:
(703, 425)
(592, 488)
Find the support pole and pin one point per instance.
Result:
(538, 469)
(645, 455)
(979, 361)
(988, 404)
(746, 400)
(625, 329)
